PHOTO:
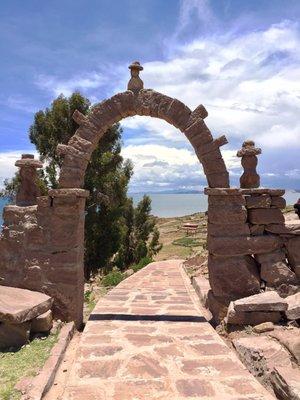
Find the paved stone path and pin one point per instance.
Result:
(147, 339)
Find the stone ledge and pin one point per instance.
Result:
(68, 193)
(40, 384)
(272, 192)
(222, 191)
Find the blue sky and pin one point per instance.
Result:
(241, 59)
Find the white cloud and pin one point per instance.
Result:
(7, 164)
(249, 84)
(81, 82)
(168, 167)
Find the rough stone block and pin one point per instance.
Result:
(286, 382)
(258, 201)
(271, 192)
(218, 179)
(14, 335)
(178, 114)
(198, 133)
(293, 310)
(227, 214)
(264, 216)
(257, 230)
(42, 323)
(250, 318)
(290, 339)
(20, 305)
(217, 306)
(289, 228)
(266, 301)
(261, 355)
(277, 273)
(243, 245)
(231, 230)
(273, 257)
(225, 276)
(202, 287)
(278, 202)
(220, 201)
(293, 254)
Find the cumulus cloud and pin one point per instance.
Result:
(160, 166)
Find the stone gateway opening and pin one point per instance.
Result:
(42, 243)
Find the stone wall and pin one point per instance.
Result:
(42, 249)
(251, 248)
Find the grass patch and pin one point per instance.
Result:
(142, 263)
(113, 278)
(187, 242)
(24, 362)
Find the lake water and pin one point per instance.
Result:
(176, 205)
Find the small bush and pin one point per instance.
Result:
(113, 278)
(142, 263)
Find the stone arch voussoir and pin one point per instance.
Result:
(77, 153)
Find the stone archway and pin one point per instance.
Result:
(67, 202)
(143, 102)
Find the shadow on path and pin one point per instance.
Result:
(135, 317)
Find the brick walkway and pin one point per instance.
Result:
(147, 339)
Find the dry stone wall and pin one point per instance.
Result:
(41, 249)
(251, 248)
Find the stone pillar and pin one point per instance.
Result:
(248, 153)
(65, 273)
(28, 190)
(233, 273)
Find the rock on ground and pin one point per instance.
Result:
(286, 382)
(266, 301)
(293, 311)
(260, 355)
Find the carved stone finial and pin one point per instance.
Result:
(28, 190)
(248, 153)
(135, 84)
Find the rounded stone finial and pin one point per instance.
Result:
(248, 154)
(135, 84)
(27, 156)
(135, 65)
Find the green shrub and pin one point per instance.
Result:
(142, 263)
(113, 278)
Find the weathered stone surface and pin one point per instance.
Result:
(289, 228)
(257, 230)
(20, 305)
(264, 327)
(277, 273)
(271, 192)
(278, 201)
(231, 230)
(293, 254)
(233, 200)
(42, 323)
(266, 301)
(293, 310)
(261, 216)
(238, 246)
(286, 382)
(227, 214)
(250, 318)
(218, 179)
(225, 276)
(217, 306)
(272, 257)
(261, 355)
(202, 287)
(258, 201)
(289, 338)
(222, 191)
(14, 335)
